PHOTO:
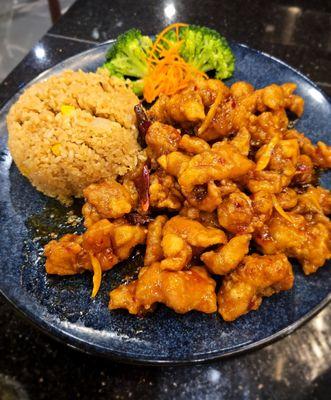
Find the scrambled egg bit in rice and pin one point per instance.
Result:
(74, 129)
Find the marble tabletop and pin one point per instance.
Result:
(33, 366)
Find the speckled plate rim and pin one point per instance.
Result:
(52, 330)
(94, 350)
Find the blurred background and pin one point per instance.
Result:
(22, 24)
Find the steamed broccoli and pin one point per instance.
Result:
(127, 58)
(206, 50)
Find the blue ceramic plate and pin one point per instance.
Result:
(62, 307)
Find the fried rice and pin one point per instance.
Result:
(72, 130)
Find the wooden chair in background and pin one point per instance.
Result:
(54, 9)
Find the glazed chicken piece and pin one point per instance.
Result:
(222, 124)
(174, 239)
(176, 251)
(262, 127)
(90, 215)
(112, 242)
(228, 257)
(319, 154)
(242, 141)
(161, 139)
(62, 256)
(305, 172)
(190, 211)
(278, 97)
(154, 250)
(241, 89)
(124, 296)
(292, 101)
(185, 108)
(180, 235)
(262, 204)
(314, 200)
(236, 213)
(182, 291)
(97, 240)
(270, 97)
(193, 232)
(306, 238)
(281, 156)
(284, 158)
(206, 197)
(193, 145)
(265, 181)
(163, 192)
(108, 242)
(287, 198)
(228, 186)
(174, 162)
(71, 254)
(276, 165)
(109, 199)
(129, 183)
(239, 213)
(126, 237)
(322, 155)
(258, 276)
(275, 97)
(223, 161)
(205, 218)
(209, 89)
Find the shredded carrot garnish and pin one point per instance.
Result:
(97, 274)
(168, 73)
(266, 155)
(211, 113)
(161, 36)
(280, 210)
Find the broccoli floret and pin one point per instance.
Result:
(127, 57)
(138, 86)
(206, 50)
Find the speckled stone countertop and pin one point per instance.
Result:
(33, 366)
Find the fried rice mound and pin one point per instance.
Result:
(74, 129)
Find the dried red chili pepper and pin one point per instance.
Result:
(142, 185)
(143, 123)
(135, 218)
